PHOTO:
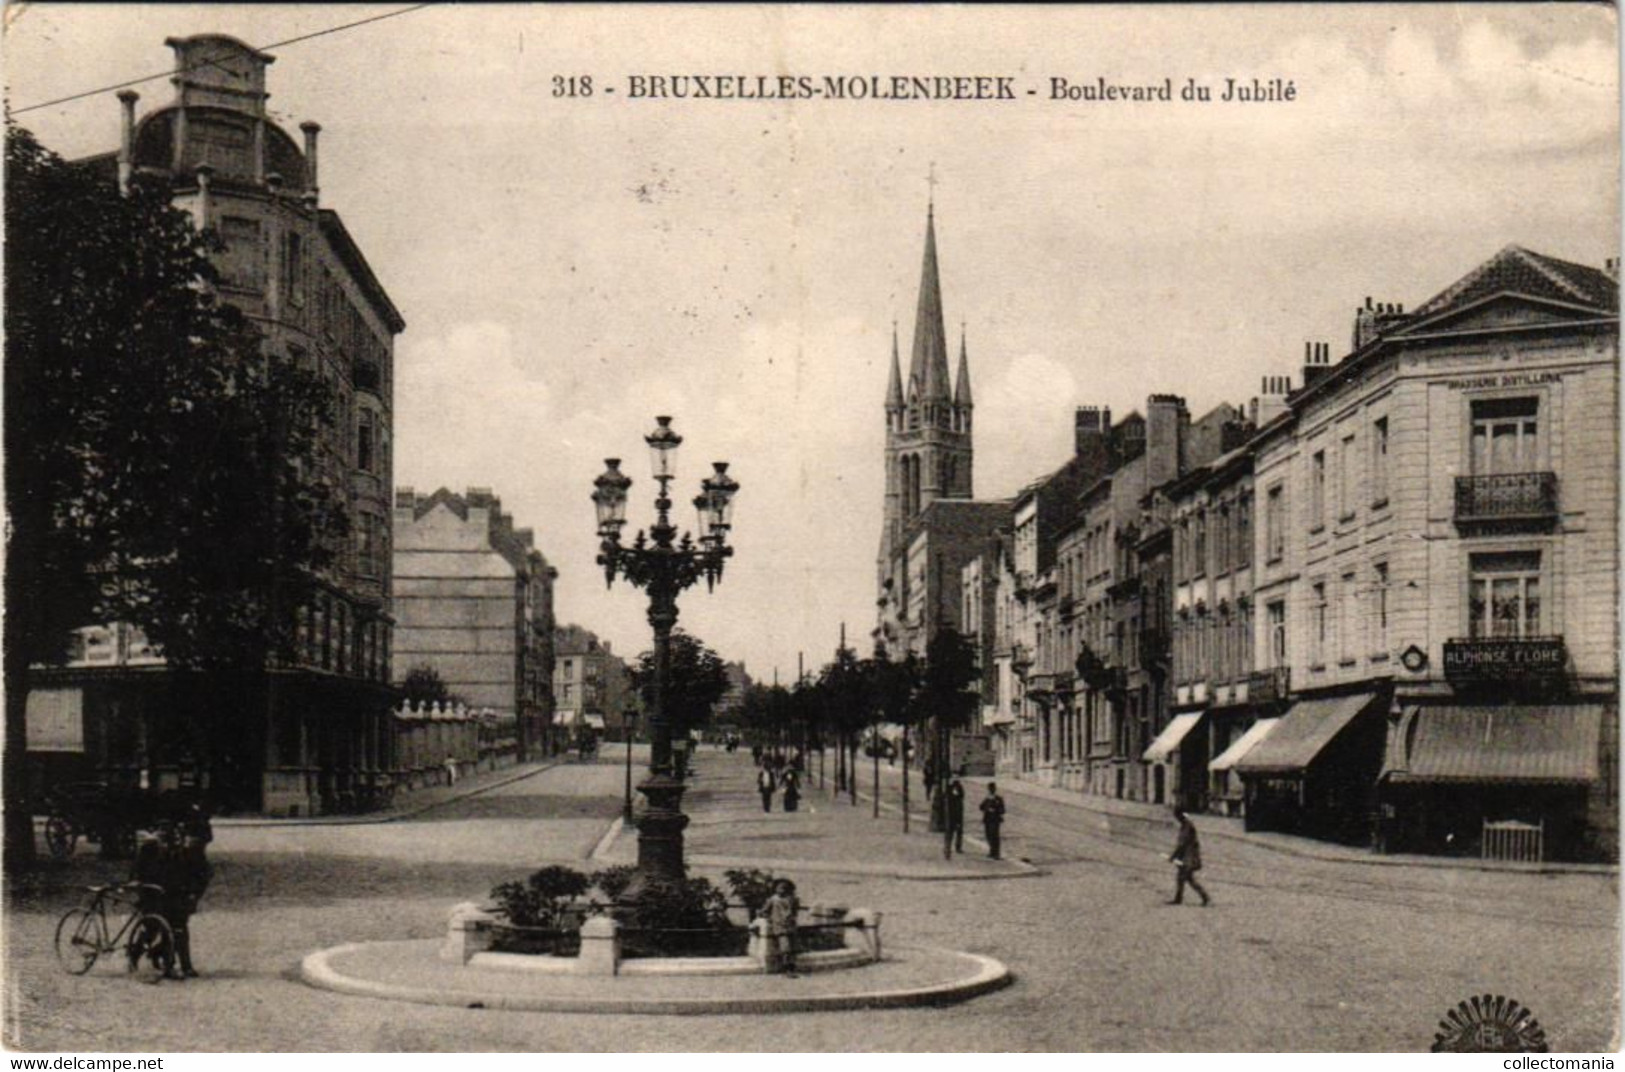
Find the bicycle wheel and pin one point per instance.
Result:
(60, 837)
(151, 938)
(80, 939)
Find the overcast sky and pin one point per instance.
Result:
(568, 268)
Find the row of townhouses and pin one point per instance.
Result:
(442, 581)
(1375, 604)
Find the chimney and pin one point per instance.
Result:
(1317, 362)
(1166, 422)
(1271, 400)
(312, 187)
(1375, 319)
(126, 139)
(1611, 266)
(406, 500)
(1089, 428)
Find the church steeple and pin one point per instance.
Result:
(894, 389)
(929, 452)
(928, 369)
(962, 381)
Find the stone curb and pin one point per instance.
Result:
(394, 816)
(317, 971)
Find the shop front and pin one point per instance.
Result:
(1494, 781)
(1314, 774)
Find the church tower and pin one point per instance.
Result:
(928, 429)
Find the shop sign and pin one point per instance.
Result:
(1507, 659)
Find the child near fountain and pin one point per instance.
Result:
(780, 912)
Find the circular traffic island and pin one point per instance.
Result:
(416, 971)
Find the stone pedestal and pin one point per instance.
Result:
(865, 936)
(758, 949)
(600, 947)
(468, 931)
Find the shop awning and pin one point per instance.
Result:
(595, 722)
(1303, 734)
(1168, 741)
(1243, 744)
(1508, 744)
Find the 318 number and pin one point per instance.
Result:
(572, 85)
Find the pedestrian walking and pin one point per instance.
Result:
(953, 831)
(1187, 856)
(781, 911)
(929, 773)
(451, 770)
(992, 819)
(791, 783)
(765, 781)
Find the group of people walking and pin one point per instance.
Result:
(778, 773)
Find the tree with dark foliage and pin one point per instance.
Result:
(696, 681)
(162, 468)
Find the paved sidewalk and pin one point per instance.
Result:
(728, 828)
(1135, 820)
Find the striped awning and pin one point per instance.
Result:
(1507, 744)
(1303, 734)
(1243, 744)
(1168, 741)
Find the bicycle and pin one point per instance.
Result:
(85, 933)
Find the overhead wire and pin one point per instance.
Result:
(205, 62)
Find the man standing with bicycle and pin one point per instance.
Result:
(176, 862)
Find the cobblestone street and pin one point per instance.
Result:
(1296, 954)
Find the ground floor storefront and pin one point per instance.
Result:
(1525, 781)
(284, 743)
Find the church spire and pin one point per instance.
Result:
(894, 389)
(928, 369)
(962, 381)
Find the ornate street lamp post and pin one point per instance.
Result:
(664, 565)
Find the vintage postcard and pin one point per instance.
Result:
(846, 528)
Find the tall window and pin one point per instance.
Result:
(1348, 606)
(1221, 541)
(366, 445)
(242, 265)
(1317, 623)
(1317, 489)
(1347, 479)
(1506, 436)
(1503, 597)
(293, 268)
(1243, 552)
(1379, 460)
(1199, 545)
(1275, 523)
(1379, 607)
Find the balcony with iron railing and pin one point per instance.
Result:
(1501, 502)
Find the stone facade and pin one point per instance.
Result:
(474, 603)
(313, 735)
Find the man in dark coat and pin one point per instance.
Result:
(766, 781)
(953, 831)
(992, 818)
(1187, 855)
